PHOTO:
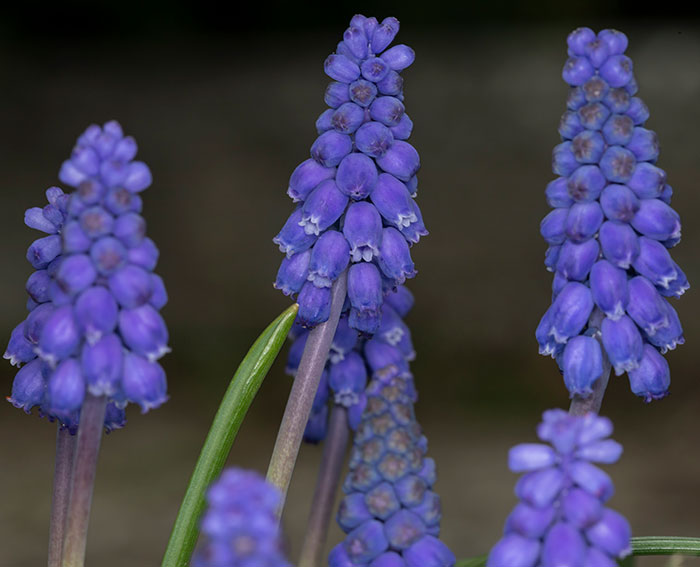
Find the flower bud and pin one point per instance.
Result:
(340, 68)
(619, 244)
(43, 250)
(306, 177)
(363, 92)
(357, 176)
(96, 312)
(619, 203)
(400, 160)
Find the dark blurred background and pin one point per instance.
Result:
(222, 102)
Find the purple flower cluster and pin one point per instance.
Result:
(561, 518)
(93, 323)
(352, 358)
(390, 513)
(355, 193)
(240, 525)
(610, 229)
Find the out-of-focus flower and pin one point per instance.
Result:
(240, 526)
(93, 323)
(562, 518)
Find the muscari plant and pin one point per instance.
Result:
(93, 335)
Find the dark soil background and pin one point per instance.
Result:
(223, 106)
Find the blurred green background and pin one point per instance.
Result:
(222, 102)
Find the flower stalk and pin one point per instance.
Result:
(334, 450)
(84, 469)
(65, 451)
(301, 398)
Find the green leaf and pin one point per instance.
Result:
(234, 406)
(654, 545)
(640, 546)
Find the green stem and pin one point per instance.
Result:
(234, 406)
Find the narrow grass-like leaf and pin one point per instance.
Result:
(657, 545)
(234, 406)
(652, 545)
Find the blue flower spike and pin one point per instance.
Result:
(610, 229)
(355, 194)
(240, 526)
(562, 518)
(93, 324)
(390, 513)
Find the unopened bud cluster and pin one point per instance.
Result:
(390, 513)
(610, 229)
(354, 195)
(93, 324)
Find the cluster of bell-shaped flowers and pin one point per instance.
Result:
(93, 324)
(353, 357)
(356, 193)
(562, 518)
(240, 526)
(610, 229)
(390, 512)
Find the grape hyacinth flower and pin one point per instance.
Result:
(610, 229)
(355, 194)
(352, 358)
(240, 526)
(562, 518)
(93, 324)
(390, 513)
